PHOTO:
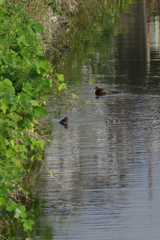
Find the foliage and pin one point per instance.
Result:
(24, 83)
(21, 53)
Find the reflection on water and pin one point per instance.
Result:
(106, 163)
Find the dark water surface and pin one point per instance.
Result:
(107, 162)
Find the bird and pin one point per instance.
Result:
(64, 121)
(100, 91)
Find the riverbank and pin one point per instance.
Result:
(54, 17)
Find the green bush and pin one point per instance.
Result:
(24, 83)
(21, 52)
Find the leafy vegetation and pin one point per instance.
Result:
(24, 83)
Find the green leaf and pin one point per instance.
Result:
(13, 108)
(2, 201)
(22, 39)
(40, 111)
(25, 104)
(38, 27)
(7, 83)
(40, 144)
(9, 94)
(28, 123)
(20, 211)
(35, 121)
(38, 67)
(4, 106)
(60, 77)
(6, 141)
(28, 224)
(17, 163)
(3, 190)
(33, 141)
(27, 88)
(10, 153)
(36, 157)
(34, 103)
(61, 86)
(27, 61)
(46, 65)
(16, 147)
(22, 148)
(17, 213)
(23, 211)
(11, 207)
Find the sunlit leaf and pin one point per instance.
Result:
(11, 207)
(60, 77)
(20, 211)
(34, 103)
(28, 224)
(46, 65)
(36, 157)
(4, 106)
(17, 213)
(40, 144)
(7, 83)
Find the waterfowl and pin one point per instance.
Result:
(100, 91)
(64, 121)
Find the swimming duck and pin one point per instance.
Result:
(64, 121)
(100, 91)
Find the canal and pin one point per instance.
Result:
(102, 173)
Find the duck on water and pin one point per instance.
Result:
(64, 122)
(100, 91)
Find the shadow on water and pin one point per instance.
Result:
(105, 165)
